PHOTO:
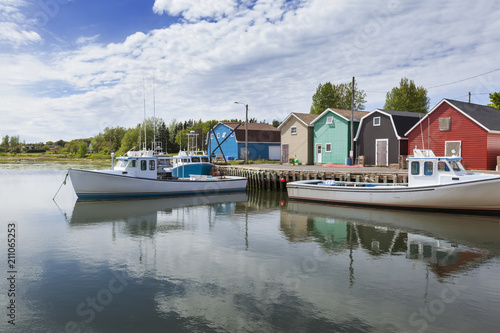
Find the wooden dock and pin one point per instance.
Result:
(275, 176)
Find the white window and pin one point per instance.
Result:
(218, 135)
(232, 135)
(293, 130)
(329, 120)
(376, 121)
(328, 147)
(211, 136)
(224, 134)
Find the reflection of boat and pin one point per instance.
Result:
(92, 211)
(136, 175)
(470, 230)
(439, 183)
(443, 257)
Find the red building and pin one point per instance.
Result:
(468, 130)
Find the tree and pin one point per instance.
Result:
(407, 97)
(82, 151)
(337, 96)
(130, 140)
(5, 142)
(495, 100)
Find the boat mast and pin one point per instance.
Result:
(145, 125)
(154, 115)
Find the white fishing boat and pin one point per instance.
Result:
(436, 183)
(184, 164)
(136, 174)
(189, 162)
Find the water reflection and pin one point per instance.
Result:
(449, 244)
(145, 217)
(244, 263)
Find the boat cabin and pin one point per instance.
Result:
(427, 169)
(140, 167)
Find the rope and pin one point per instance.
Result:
(63, 183)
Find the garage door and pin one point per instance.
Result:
(274, 153)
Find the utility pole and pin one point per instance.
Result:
(246, 130)
(351, 152)
(246, 134)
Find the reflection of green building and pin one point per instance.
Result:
(332, 233)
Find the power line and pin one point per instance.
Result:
(472, 77)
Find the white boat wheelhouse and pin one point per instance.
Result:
(424, 169)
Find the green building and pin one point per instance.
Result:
(332, 135)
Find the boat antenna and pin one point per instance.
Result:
(154, 114)
(145, 125)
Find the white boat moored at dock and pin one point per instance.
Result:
(136, 175)
(438, 183)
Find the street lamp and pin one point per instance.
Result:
(246, 130)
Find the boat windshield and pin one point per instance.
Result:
(204, 159)
(121, 164)
(443, 166)
(457, 166)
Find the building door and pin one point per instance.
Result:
(319, 151)
(382, 152)
(242, 153)
(284, 153)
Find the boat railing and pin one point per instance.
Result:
(423, 153)
(331, 182)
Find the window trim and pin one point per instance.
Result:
(293, 130)
(415, 171)
(376, 123)
(326, 147)
(329, 120)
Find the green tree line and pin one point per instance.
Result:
(171, 138)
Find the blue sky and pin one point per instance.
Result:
(70, 68)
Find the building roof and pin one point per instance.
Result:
(305, 118)
(257, 132)
(401, 121)
(486, 117)
(346, 114)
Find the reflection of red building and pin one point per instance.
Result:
(443, 258)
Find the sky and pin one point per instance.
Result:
(71, 68)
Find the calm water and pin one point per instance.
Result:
(238, 263)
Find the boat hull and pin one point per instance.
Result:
(477, 195)
(95, 184)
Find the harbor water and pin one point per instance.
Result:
(244, 262)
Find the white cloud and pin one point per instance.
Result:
(193, 10)
(87, 40)
(271, 55)
(15, 27)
